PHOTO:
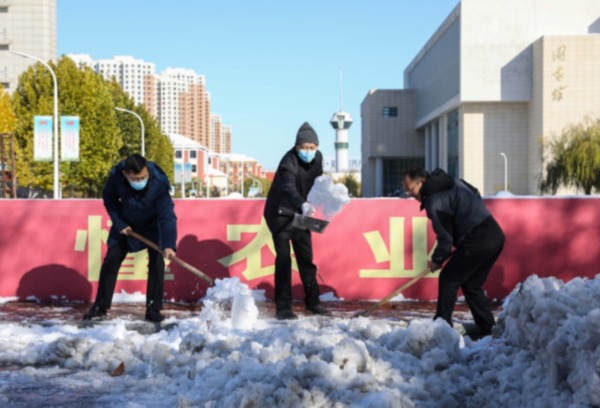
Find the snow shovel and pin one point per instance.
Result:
(178, 261)
(310, 223)
(391, 295)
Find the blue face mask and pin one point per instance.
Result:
(307, 155)
(138, 185)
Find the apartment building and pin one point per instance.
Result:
(137, 77)
(26, 26)
(239, 167)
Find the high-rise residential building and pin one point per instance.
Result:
(177, 97)
(194, 110)
(183, 104)
(137, 77)
(215, 133)
(220, 135)
(226, 139)
(497, 80)
(27, 26)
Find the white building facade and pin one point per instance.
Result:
(27, 26)
(498, 76)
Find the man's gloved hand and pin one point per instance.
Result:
(434, 267)
(307, 209)
(169, 253)
(126, 230)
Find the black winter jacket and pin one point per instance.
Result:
(150, 212)
(458, 216)
(291, 185)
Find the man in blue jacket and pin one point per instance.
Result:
(460, 220)
(293, 180)
(136, 197)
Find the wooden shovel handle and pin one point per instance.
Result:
(175, 259)
(393, 294)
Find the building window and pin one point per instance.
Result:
(193, 154)
(3, 47)
(393, 173)
(5, 85)
(3, 9)
(390, 112)
(453, 162)
(178, 154)
(194, 168)
(210, 160)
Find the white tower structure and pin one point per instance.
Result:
(341, 122)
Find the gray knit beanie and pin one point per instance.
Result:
(306, 134)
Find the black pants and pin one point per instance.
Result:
(110, 269)
(467, 269)
(302, 244)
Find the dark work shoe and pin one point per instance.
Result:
(285, 314)
(154, 315)
(318, 310)
(94, 312)
(476, 333)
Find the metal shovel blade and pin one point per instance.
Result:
(310, 223)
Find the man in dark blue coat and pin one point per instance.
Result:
(136, 197)
(293, 180)
(460, 220)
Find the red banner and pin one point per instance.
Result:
(53, 249)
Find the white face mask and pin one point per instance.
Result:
(307, 155)
(138, 185)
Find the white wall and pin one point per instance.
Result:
(496, 38)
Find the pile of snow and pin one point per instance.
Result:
(546, 354)
(504, 194)
(329, 297)
(327, 197)
(124, 297)
(559, 324)
(244, 312)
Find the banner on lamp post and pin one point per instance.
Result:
(69, 138)
(183, 170)
(42, 138)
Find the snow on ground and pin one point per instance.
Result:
(546, 353)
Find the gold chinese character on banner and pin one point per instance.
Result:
(135, 265)
(394, 254)
(252, 252)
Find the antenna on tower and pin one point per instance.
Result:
(341, 90)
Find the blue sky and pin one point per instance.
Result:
(269, 65)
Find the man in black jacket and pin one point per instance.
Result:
(293, 180)
(461, 220)
(136, 197)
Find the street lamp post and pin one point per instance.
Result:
(182, 173)
(505, 171)
(141, 124)
(56, 193)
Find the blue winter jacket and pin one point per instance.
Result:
(149, 212)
